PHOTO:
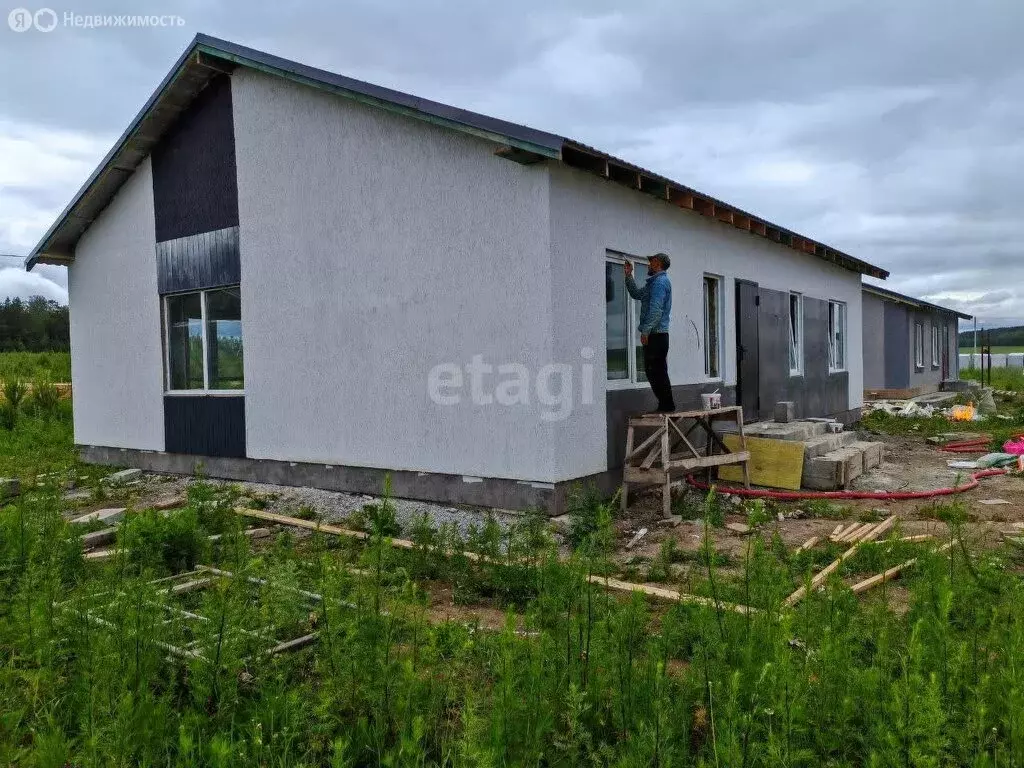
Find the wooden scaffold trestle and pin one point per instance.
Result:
(662, 445)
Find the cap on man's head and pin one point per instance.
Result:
(666, 262)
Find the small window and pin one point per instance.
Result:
(712, 325)
(918, 346)
(936, 347)
(796, 334)
(204, 341)
(625, 353)
(836, 336)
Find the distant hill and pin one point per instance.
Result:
(998, 337)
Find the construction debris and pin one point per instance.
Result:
(889, 574)
(636, 537)
(669, 594)
(123, 477)
(101, 516)
(808, 544)
(828, 570)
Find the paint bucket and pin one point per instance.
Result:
(711, 400)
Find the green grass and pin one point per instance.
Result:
(31, 366)
(92, 673)
(995, 350)
(1002, 378)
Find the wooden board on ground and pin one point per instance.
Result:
(773, 463)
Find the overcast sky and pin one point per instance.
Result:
(891, 130)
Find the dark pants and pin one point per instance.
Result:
(656, 368)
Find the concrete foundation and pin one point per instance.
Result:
(492, 492)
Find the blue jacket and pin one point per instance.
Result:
(655, 302)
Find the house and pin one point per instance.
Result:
(290, 276)
(910, 346)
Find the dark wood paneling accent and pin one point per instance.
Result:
(206, 260)
(205, 425)
(195, 184)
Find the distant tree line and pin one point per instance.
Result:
(34, 325)
(997, 337)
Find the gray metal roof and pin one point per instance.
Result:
(900, 298)
(208, 56)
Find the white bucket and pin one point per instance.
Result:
(711, 400)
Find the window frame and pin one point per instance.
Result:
(936, 346)
(798, 353)
(919, 346)
(719, 323)
(166, 315)
(632, 319)
(837, 324)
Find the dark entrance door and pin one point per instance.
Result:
(747, 369)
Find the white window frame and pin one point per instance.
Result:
(165, 301)
(632, 319)
(798, 352)
(719, 321)
(936, 346)
(837, 324)
(919, 346)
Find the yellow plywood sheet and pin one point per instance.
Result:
(773, 463)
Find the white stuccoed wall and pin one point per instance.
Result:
(374, 247)
(116, 355)
(589, 215)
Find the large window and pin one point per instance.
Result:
(796, 334)
(625, 353)
(918, 346)
(936, 347)
(712, 326)
(836, 336)
(204, 341)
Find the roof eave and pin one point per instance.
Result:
(910, 301)
(615, 169)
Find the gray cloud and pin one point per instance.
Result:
(893, 131)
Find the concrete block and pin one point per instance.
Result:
(794, 430)
(102, 515)
(9, 487)
(96, 538)
(834, 470)
(872, 453)
(123, 477)
(822, 444)
(785, 411)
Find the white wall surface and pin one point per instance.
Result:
(116, 356)
(590, 215)
(373, 248)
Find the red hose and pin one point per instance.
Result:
(758, 493)
(974, 445)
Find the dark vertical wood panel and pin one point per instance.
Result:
(206, 260)
(195, 182)
(204, 425)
